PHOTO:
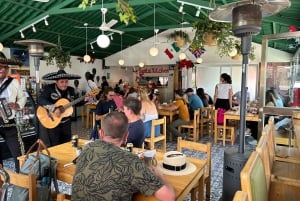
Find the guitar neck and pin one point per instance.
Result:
(73, 102)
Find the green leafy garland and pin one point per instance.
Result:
(126, 12)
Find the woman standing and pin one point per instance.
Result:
(223, 93)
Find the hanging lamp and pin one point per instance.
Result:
(153, 50)
(86, 57)
(121, 61)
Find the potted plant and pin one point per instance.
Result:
(180, 37)
(232, 47)
(126, 12)
(61, 57)
(209, 32)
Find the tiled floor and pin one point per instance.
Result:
(216, 168)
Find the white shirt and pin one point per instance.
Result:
(223, 90)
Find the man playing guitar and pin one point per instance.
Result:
(52, 94)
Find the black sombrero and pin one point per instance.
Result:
(61, 74)
(5, 62)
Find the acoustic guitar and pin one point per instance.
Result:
(49, 120)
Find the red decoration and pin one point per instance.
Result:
(185, 64)
(292, 28)
(169, 53)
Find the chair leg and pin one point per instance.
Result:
(164, 146)
(193, 194)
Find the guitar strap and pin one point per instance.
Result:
(5, 84)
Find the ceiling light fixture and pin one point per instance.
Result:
(121, 60)
(198, 12)
(103, 40)
(32, 25)
(191, 4)
(86, 57)
(22, 35)
(141, 64)
(33, 28)
(182, 56)
(181, 8)
(153, 50)
(199, 60)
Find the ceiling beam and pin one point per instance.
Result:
(14, 31)
(107, 5)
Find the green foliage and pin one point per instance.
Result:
(227, 46)
(219, 30)
(126, 12)
(62, 58)
(181, 34)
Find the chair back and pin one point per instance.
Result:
(193, 125)
(263, 151)
(196, 146)
(24, 181)
(205, 118)
(161, 137)
(253, 179)
(269, 132)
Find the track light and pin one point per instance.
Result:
(46, 22)
(32, 25)
(198, 12)
(181, 8)
(22, 35)
(33, 28)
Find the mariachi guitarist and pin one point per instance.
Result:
(53, 93)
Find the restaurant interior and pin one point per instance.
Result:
(159, 43)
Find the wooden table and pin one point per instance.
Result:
(65, 153)
(235, 115)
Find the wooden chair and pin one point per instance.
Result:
(204, 148)
(24, 181)
(219, 134)
(206, 119)
(61, 197)
(163, 132)
(253, 179)
(193, 125)
(240, 196)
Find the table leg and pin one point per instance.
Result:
(87, 117)
(201, 188)
(224, 129)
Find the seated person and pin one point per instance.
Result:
(132, 109)
(105, 172)
(148, 113)
(195, 102)
(238, 96)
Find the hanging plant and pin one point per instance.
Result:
(61, 57)
(126, 12)
(232, 47)
(180, 37)
(218, 31)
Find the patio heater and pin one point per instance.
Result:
(246, 21)
(36, 50)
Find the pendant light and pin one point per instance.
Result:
(182, 55)
(86, 57)
(121, 61)
(153, 50)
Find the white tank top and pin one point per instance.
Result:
(223, 91)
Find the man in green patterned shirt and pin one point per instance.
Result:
(106, 172)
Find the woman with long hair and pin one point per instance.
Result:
(223, 92)
(202, 96)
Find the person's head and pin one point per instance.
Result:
(3, 71)
(88, 76)
(143, 95)
(200, 92)
(189, 91)
(132, 106)
(179, 93)
(76, 83)
(97, 78)
(269, 97)
(108, 94)
(103, 78)
(114, 128)
(225, 78)
(94, 71)
(62, 84)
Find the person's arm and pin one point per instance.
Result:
(170, 107)
(216, 94)
(230, 97)
(166, 192)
